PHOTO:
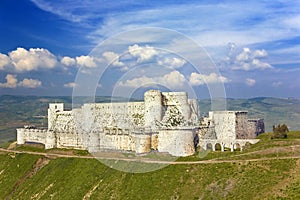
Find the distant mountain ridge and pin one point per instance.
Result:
(15, 111)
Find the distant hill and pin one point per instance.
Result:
(15, 111)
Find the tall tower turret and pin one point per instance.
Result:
(52, 110)
(153, 107)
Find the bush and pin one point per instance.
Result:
(280, 132)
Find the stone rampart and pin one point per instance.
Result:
(165, 121)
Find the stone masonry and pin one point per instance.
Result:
(166, 121)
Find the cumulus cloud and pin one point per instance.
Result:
(33, 59)
(23, 60)
(12, 82)
(138, 82)
(114, 58)
(172, 62)
(277, 84)
(142, 53)
(201, 79)
(250, 81)
(70, 85)
(68, 61)
(173, 80)
(30, 83)
(86, 61)
(4, 61)
(247, 60)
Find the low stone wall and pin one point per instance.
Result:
(35, 135)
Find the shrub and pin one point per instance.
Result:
(280, 132)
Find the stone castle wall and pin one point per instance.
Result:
(131, 126)
(165, 121)
(224, 123)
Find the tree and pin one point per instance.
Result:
(280, 131)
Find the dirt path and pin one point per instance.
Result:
(219, 160)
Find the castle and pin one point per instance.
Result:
(166, 121)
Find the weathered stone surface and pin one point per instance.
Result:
(165, 121)
(177, 142)
(229, 129)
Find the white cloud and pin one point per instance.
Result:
(70, 85)
(12, 82)
(4, 61)
(30, 83)
(99, 85)
(114, 58)
(33, 59)
(58, 10)
(172, 62)
(277, 84)
(142, 53)
(172, 80)
(293, 22)
(68, 61)
(247, 60)
(142, 81)
(250, 82)
(201, 79)
(86, 61)
(282, 18)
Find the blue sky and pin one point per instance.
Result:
(254, 46)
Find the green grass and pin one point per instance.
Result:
(74, 178)
(31, 147)
(63, 179)
(68, 178)
(12, 168)
(41, 148)
(278, 147)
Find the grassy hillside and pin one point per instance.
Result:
(240, 176)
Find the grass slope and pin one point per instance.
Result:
(74, 178)
(12, 168)
(70, 178)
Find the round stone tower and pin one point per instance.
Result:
(153, 107)
(182, 98)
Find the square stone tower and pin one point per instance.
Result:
(52, 110)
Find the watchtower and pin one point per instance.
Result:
(53, 109)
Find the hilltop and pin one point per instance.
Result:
(19, 110)
(269, 169)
